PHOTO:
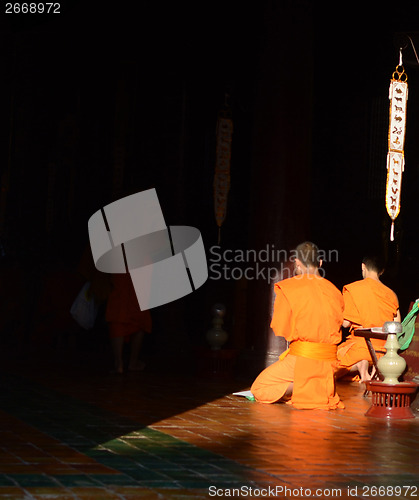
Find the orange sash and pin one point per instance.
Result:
(311, 350)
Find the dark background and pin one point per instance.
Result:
(138, 86)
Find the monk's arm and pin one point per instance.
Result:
(397, 316)
(281, 319)
(350, 313)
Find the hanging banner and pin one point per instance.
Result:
(222, 167)
(398, 94)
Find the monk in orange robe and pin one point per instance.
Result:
(368, 303)
(308, 312)
(127, 323)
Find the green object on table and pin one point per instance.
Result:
(408, 324)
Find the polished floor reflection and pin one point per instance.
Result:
(71, 431)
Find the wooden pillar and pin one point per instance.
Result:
(281, 161)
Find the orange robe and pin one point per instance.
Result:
(308, 312)
(123, 312)
(368, 303)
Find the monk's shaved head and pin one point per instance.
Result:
(374, 263)
(308, 254)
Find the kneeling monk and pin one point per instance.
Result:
(308, 312)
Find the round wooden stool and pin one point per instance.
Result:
(391, 400)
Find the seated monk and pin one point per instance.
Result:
(368, 303)
(308, 312)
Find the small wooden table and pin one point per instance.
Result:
(368, 334)
(388, 400)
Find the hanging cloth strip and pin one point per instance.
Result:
(396, 135)
(222, 167)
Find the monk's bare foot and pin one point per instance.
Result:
(363, 370)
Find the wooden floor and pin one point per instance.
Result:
(72, 431)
